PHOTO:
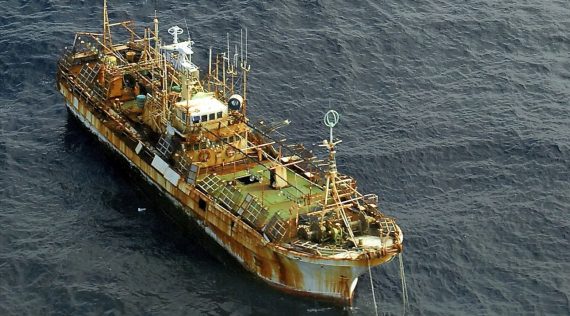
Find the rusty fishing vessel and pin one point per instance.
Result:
(296, 223)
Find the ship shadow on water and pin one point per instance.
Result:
(243, 293)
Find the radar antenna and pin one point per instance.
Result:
(175, 31)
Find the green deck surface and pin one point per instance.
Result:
(277, 200)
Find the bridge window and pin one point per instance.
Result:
(219, 115)
(195, 119)
(204, 118)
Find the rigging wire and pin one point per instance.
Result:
(372, 288)
(405, 301)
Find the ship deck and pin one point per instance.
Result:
(301, 194)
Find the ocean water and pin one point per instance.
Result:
(455, 112)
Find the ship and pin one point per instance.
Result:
(289, 218)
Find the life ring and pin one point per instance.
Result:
(204, 155)
(230, 152)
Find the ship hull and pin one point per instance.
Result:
(332, 279)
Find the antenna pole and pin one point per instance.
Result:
(228, 50)
(224, 77)
(210, 68)
(235, 56)
(216, 84)
(241, 45)
(245, 69)
(187, 30)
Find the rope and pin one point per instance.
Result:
(372, 288)
(405, 301)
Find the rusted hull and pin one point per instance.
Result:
(294, 272)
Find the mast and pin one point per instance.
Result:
(106, 28)
(164, 90)
(156, 44)
(330, 120)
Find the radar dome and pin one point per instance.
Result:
(235, 102)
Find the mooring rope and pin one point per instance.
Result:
(405, 301)
(372, 288)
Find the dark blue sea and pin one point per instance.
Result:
(456, 113)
